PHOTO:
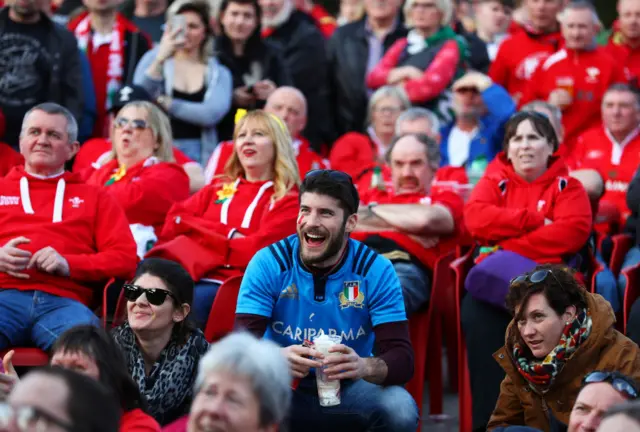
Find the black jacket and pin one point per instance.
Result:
(348, 51)
(478, 55)
(268, 55)
(305, 57)
(633, 203)
(66, 72)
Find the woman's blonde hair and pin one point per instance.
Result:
(160, 127)
(444, 6)
(285, 166)
(202, 8)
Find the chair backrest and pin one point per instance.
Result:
(223, 311)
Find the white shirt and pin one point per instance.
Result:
(458, 146)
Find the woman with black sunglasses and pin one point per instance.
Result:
(560, 332)
(161, 346)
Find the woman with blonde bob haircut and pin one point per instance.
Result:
(142, 173)
(215, 233)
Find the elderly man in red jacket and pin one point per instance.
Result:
(62, 239)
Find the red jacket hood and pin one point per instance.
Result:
(502, 168)
(18, 172)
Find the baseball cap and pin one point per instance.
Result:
(129, 93)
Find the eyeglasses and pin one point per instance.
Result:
(388, 110)
(137, 124)
(617, 382)
(155, 296)
(535, 277)
(29, 418)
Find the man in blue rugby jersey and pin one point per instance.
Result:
(321, 281)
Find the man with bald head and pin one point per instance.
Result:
(289, 105)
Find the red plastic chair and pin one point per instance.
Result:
(223, 311)
(631, 293)
(29, 357)
(460, 268)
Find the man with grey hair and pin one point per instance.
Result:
(418, 120)
(61, 238)
(254, 371)
(576, 77)
(412, 223)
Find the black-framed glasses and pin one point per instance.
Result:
(29, 418)
(535, 277)
(155, 296)
(137, 124)
(618, 382)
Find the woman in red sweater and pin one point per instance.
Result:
(91, 351)
(217, 231)
(524, 212)
(356, 152)
(142, 175)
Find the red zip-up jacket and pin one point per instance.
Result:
(519, 56)
(507, 211)
(211, 217)
(147, 191)
(83, 223)
(307, 159)
(586, 75)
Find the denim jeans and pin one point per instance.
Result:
(192, 148)
(416, 287)
(364, 407)
(631, 258)
(203, 295)
(37, 318)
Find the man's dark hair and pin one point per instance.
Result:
(560, 288)
(336, 184)
(540, 124)
(178, 281)
(254, 45)
(97, 344)
(90, 405)
(625, 88)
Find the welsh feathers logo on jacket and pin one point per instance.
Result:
(351, 296)
(227, 191)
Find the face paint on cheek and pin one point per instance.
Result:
(300, 219)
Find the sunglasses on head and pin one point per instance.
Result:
(617, 382)
(155, 296)
(137, 124)
(535, 277)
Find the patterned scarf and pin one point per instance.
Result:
(168, 387)
(542, 373)
(115, 70)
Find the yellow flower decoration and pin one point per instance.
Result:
(227, 191)
(240, 113)
(117, 176)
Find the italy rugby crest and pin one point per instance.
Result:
(351, 295)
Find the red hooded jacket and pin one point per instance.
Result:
(89, 229)
(507, 211)
(147, 191)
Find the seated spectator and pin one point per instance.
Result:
(559, 333)
(257, 66)
(55, 399)
(305, 58)
(625, 39)
(94, 153)
(142, 175)
(621, 418)
(519, 55)
(215, 233)
(289, 104)
(492, 18)
(9, 158)
(576, 78)
(253, 370)
(62, 240)
(187, 81)
(427, 61)
(613, 149)
(482, 108)
(411, 224)
(113, 46)
(90, 351)
(600, 391)
(348, 290)
(350, 11)
(161, 347)
(355, 152)
(415, 120)
(525, 212)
